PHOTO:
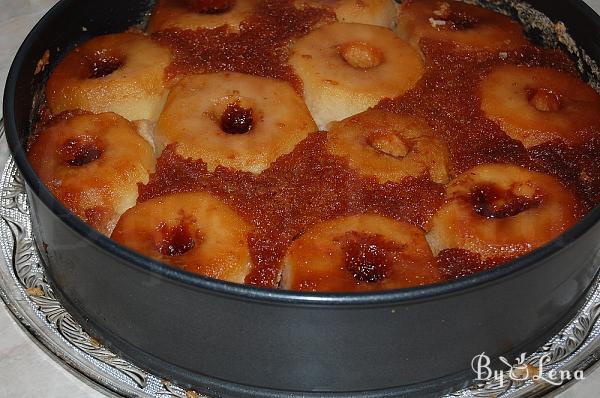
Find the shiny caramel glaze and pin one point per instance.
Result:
(537, 105)
(239, 121)
(92, 164)
(390, 147)
(259, 48)
(311, 186)
(195, 232)
(359, 253)
(466, 26)
(506, 211)
(200, 14)
(122, 73)
(300, 190)
(448, 98)
(460, 263)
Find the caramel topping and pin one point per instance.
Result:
(447, 97)
(102, 65)
(309, 185)
(491, 201)
(299, 190)
(236, 119)
(450, 19)
(97, 216)
(369, 258)
(80, 151)
(176, 240)
(461, 21)
(459, 263)
(260, 48)
(210, 6)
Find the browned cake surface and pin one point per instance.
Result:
(260, 47)
(311, 185)
(447, 97)
(299, 190)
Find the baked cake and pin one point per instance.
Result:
(322, 145)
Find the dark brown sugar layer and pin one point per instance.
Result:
(447, 97)
(298, 191)
(459, 263)
(310, 185)
(260, 48)
(369, 258)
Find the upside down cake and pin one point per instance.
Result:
(322, 145)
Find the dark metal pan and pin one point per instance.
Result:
(238, 341)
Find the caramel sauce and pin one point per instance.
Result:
(96, 216)
(459, 263)
(103, 65)
(260, 48)
(369, 258)
(309, 185)
(80, 151)
(237, 119)
(576, 166)
(176, 240)
(461, 20)
(447, 97)
(491, 201)
(210, 6)
(299, 190)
